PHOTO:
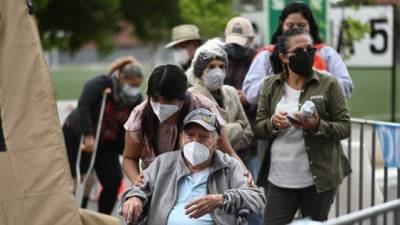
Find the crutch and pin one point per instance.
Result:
(80, 185)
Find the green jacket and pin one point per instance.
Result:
(327, 161)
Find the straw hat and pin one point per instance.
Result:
(182, 33)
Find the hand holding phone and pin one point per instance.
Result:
(296, 119)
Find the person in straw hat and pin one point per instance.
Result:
(185, 40)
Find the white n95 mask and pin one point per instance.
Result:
(196, 153)
(214, 79)
(181, 56)
(163, 111)
(130, 91)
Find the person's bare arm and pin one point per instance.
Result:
(131, 158)
(227, 148)
(226, 145)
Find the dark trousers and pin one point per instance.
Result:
(283, 203)
(107, 167)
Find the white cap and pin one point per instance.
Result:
(238, 30)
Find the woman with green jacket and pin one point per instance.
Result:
(304, 115)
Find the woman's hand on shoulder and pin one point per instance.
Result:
(138, 181)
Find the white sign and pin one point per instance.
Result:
(376, 48)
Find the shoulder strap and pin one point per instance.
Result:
(269, 48)
(319, 63)
(319, 46)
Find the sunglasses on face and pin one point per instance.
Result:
(309, 50)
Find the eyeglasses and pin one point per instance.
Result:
(301, 51)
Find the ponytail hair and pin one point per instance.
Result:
(127, 67)
(170, 82)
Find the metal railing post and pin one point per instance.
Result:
(361, 178)
(349, 150)
(385, 190)
(373, 167)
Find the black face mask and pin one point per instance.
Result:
(302, 63)
(236, 51)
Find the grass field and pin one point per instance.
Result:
(370, 100)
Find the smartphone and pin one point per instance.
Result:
(292, 119)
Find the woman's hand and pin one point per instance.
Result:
(204, 205)
(132, 209)
(309, 124)
(279, 120)
(88, 143)
(138, 181)
(250, 180)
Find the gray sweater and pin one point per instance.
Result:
(226, 177)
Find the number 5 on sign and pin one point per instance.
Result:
(378, 31)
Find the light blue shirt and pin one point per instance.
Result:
(190, 188)
(261, 68)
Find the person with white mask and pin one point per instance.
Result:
(209, 68)
(185, 40)
(154, 125)
(198, 185)
(122, 87)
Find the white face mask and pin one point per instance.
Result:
(163, 111)
(196, 153)
(181, 56)
(129, 90)
(214, 79)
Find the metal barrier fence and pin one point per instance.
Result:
(362, 153)
(370, 213)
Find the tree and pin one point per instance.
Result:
(70, 24)
(152, 19)
(210, 15)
